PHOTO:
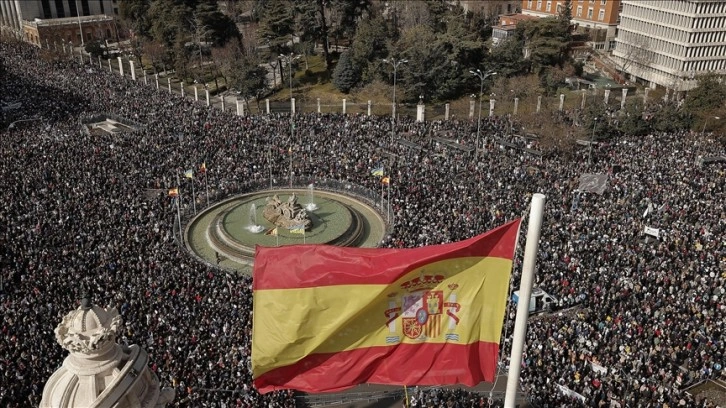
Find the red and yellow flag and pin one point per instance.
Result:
(327, 318)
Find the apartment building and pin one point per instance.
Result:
(670, 42)
(599, 18)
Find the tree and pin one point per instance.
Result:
(248, 78)
(547, 40)
(135, 14)
(276, 28)
(507, 57)
(669, 118)
(220, 28)
(631, 121)
(344, 75)
(94, 48)
(565, 13)
(708, 95)
(369, 47)
(154, 51)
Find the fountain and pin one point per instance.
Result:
(311, 206)
(253, 227)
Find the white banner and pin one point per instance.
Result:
(655, 232)
(570, 393)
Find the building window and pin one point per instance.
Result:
(100, 3)
(539, 4)
(72, 9)
(46, 9)
(589, 13)
(86, 9)
(603, 2)
(60, 11)
(549, 6)
(579, 11)
(529, 4)
(601, 15)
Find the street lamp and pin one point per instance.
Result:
(394, 63)
(482, 76)
(705, 122)
(289, 59)
(592, 140)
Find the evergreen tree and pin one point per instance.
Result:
(344, 75)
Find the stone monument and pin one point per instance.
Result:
(100, 372)
(288, 214)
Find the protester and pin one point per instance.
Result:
(641, 318)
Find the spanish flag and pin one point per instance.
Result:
(203, 167)
(173, 192)
(386, 180)
(327, 318)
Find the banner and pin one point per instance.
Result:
(652, 231)
(327, 318)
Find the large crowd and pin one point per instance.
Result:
(639, 318)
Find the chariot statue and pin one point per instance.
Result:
(287, 214)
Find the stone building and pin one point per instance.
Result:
(670, 43)
(100, 372)
(14, 12)
(68, 30)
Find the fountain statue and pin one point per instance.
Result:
(253, 226)
(286, 215)
(311, 206)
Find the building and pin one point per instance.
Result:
(598, 18)
(14, 12)
(670, 43)
(490, 7)
(507, 25)
(100, 372)
(68, 30)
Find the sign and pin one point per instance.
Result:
(654, 232)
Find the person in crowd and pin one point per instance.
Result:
(638, 318)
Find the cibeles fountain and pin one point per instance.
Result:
(100, 372)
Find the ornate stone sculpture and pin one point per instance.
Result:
(288, 214)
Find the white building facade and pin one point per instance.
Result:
(671, 42)
(13, 12)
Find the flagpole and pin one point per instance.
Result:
(178, 218)
(269, 164)
(290, 167)
(525, 293)
(194, 195)
(389, 202)
(178, 207)
(206, 185)
(405, 393)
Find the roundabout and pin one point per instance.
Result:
(227, 232)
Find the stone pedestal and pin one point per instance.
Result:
(420, 112)
(120, 66)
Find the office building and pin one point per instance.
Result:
(669, 43)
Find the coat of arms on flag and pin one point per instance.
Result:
(423, 309)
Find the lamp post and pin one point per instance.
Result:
(288, 59)
(394, 63)
(482, 76)
(592, 140)
(703, 131)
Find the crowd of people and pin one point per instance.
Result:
(640, 317)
